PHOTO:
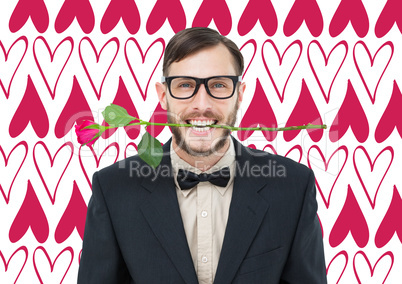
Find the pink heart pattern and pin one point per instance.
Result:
(351, 219)
(75, 9)
(34, 9)
(390, 225)
(251, 118)
(350, 115)
(31, 110)
(30, 215)
(305, 112)
(216, 10)
(73, 217)
(304, 11)
(253, 13)
(71, 50)
(352, 11)
(166, 10)
(126, 10)
(390, 118)
(388, 17)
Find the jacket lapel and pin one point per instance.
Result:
(247, 210)
(162, 212)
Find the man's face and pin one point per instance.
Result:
(208, 62)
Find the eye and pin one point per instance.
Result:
(185, 85)
(218, 85)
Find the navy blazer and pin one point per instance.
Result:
(134, 231)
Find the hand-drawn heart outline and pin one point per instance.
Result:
(23, 143)
(326, 163)
(69, 39)
(345, 254)
(254, 44)
(69, 249)
(97, 55)
(6, 54)
(389, 253)
(388, 43)
(68, 144)
(143, 56)
(97, 160)
(326, 59)
(297, 147)
(388, 148)
(280, 57)
(23, 248)
(130, 144)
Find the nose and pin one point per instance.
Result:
(202, 100)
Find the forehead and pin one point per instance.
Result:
(211, 61)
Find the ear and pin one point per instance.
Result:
(161, 90)
(242, 88)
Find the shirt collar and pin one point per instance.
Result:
(228, 160)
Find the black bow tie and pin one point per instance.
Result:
(187, 179)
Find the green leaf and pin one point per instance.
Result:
(150, 150)
(116, 116)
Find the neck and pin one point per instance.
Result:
(203, 163)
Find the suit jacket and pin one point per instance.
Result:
(134, 231)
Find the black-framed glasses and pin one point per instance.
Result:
(185, 87)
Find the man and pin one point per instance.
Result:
(175, 224)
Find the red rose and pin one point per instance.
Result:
(87, 136)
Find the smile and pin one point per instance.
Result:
(201, 125)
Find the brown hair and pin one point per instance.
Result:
(191, 40)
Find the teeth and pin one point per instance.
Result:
(201, 129)
(201, 122)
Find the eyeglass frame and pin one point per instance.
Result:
(199, 81)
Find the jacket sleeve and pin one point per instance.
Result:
(101, 259)
(306, 262)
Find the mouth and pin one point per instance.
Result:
(201, 125)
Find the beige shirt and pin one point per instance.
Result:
(204, 210)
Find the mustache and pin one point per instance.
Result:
(206, 114)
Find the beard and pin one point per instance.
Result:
(196, 152)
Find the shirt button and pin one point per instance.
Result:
(204, 214)
(204, 259)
